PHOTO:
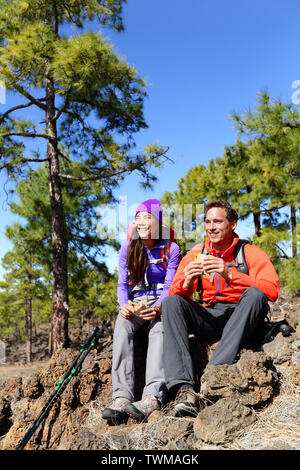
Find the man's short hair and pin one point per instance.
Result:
(231, 213)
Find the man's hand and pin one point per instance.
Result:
(191, 271)
(208, 264)
(212, 264)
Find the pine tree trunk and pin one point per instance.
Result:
(28, 320)
(60, 312)
(50, 337)
(294, 232)
(256, 218)
(256, 214)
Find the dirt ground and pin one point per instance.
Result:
(11, 371)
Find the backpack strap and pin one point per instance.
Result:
(199, 285)
(164, 254)
(239, 256)
(143, 287)
(164, 258)
(239, 260)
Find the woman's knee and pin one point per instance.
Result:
(125, 325)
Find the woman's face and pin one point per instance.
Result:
(146, 225)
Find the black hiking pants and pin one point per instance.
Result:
(232, 324)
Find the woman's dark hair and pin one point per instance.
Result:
(137, 259)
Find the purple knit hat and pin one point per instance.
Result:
(152, 206)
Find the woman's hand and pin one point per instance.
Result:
(150, 313)
(127, 311)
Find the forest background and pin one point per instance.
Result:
(221, 119)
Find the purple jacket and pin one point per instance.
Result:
(156, 273)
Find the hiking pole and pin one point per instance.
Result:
(74, 368)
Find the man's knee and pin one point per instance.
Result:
(253, 294)
(171, 301)
(172, 305)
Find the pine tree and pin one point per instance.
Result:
(87, 104)
(258, 175)
(273, 130)
(22, 279)
(85, 249)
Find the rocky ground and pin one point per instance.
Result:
(253, 404)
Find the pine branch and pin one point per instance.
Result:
(30, 160)
(21, 106)
(108, 174)
(291, 125)
(64, 106)
(89, 258)
(23, 134)
(31, 98)
(63, 155)
(87, 178)
(79, 118)
(25, 160)
(294, 174)
(283, 252)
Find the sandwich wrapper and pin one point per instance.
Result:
(200, 257)
(138, 307)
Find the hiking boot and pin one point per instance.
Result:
(140, 410)
(115, 414)
(187, 403)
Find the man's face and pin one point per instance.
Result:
(218, 228)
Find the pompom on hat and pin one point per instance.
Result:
(152, 206)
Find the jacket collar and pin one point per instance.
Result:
(225, 253)
(158, 244)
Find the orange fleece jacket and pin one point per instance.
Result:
(262, 275)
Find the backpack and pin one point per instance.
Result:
(168, 235)
(267, 330)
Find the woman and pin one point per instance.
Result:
(145, 276)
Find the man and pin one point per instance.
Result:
(232, 304)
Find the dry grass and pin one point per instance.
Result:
(277, 426)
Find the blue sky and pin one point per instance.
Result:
(202, 60)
